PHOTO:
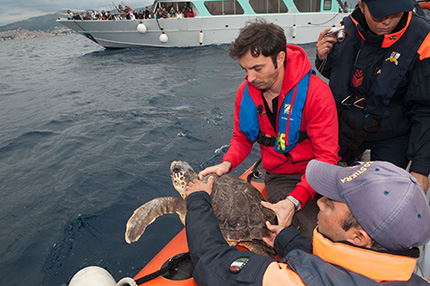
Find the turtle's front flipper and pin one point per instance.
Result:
(147, 213)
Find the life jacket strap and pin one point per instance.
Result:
(270, 141)
(266, 140)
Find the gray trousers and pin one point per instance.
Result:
(278, 186)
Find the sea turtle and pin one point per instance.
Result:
(236, 204)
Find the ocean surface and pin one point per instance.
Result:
(87, 135)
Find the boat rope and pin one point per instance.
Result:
(172, 264)
(161, 29)
(322, 23)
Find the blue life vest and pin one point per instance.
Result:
(289, 118)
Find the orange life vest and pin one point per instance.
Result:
(375, 265)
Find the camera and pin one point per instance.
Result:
(339, 32)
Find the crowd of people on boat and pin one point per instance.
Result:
(185, 12)
(91, 15)
(132, 14)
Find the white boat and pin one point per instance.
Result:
(215, 22)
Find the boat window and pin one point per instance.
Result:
(327, 4)
(178, 6)
(229, 7)
(268, 6)
(310, 5)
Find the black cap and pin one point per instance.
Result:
(383, 8)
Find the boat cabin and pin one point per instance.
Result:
(248, 7)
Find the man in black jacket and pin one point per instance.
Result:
(372, 218)
(380, 78)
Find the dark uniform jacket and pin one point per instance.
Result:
(384, 79)
(334, 263)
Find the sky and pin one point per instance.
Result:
(16, 10)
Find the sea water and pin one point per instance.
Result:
(87, 135)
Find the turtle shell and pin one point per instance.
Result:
(236, 203)
(237, 206)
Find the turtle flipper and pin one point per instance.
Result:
(148, 212)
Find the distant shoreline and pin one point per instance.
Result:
(20, 34)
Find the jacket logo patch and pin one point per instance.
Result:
(238, 264)
(287, 108)
(357, 79)
(394, 57)
(378, 71)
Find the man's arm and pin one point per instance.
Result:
(213, 259)
(240, 145)
(323, 60)
(289, 239)
(418, 99)
(220, 169)
(322, 129)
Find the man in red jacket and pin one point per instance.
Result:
(289, 111)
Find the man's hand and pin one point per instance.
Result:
(219, 169)
(325, 44)
(284, 211)
(422, 180)
(274, 231)
(197, 186)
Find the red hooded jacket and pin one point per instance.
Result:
(319, 120)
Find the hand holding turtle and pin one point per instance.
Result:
(197, 185)
(274, 231)
(219, 169)
(422, 180)
(325, 44)
(284, 211)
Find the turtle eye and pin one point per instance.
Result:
(176, 169)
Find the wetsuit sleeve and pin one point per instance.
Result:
(418, 98)
(322, 129)
(289, 239)
(210, 253)
(240, 145)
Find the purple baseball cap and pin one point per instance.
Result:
(386, 200)
(383, 8)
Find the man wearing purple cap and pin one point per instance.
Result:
(372, 219)
(380, 78)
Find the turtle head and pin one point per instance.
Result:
(181, 174)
